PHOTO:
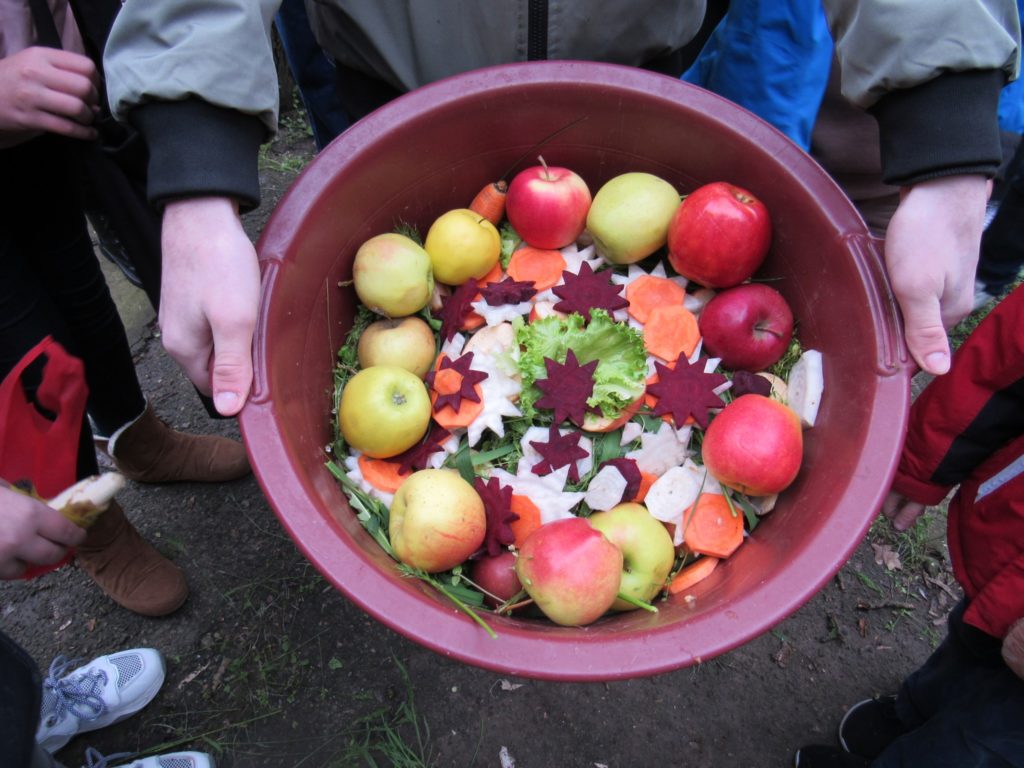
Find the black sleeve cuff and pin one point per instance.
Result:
(945, 127)
(199, 150)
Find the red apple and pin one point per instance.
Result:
(755, 446)
(548, 205)
(497, 576)
(571, 571)
(719, 236)
(749, 326)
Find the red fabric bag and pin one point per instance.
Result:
(34, 448)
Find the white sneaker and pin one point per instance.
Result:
(94, 759)
(103, 692)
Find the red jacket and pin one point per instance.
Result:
(967, 429)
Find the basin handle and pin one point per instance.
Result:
(868, 252)
(269, 270)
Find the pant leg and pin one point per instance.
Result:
(20, 699)
(964, 707)
(51, 281)
(1002, 245)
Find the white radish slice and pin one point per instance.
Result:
(805, 384)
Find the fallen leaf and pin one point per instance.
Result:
(884, 555)
(192, 675)
(509, 686)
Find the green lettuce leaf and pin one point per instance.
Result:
(621, 374)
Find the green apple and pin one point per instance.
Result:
(436, 521)
(384, 410)
(406, 342)
(629, 217)
(647, 550)
(392, 275)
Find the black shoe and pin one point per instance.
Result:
(870, 726)
(817, 756)
(111, 247)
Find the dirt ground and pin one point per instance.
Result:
(269, 666)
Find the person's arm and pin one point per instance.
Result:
(204, 117)
(46, 90)
(31, 533)
(936, 104)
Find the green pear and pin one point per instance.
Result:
(629, 216)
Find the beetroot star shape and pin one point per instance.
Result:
(567, 388)
(559, 451)
(686, 391)
(452, 388)
(588, 290)
(508, 291)
(630, 471)
(497, 499)
(456, 307)
(746, 383)
(418, 456)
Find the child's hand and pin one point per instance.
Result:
(32, 533)
(1013, 648)
(901, 511)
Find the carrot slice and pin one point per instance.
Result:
(711, 527)
(490, 201)
(451, 381)
(649, 291)
(647, 479)
(671, 332)
(382, 475)
(529, 518)
(696, 571)
(540, 266)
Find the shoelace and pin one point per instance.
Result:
(79, 696)
(93, 758)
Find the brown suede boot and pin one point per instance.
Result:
(148, 451)
(128, 568)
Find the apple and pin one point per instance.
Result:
(436, 521)
(384, 410)
(407, 342)
(630, 215)
(547, 205)
(748, 326)
(571, 571)
(755, 446)
(647, 550)
(719, 236)
(392, 275)
(497, 576)
(462, 244)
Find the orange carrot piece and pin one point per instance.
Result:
(649, 291)
(689, 575)
(540, 266)
(712, 528)
(447, 381)
(382, 475)
(451, 381)
(529, 518)
(647, 479)
(671, 332)
(490, 201)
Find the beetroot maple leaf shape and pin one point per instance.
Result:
(418, 457)
(686, 391)
(567, 388)
(746, 383)
(497, 499)
(456, 307)
(467, 383)
(508, 291)
(559, 451)
(588, 290)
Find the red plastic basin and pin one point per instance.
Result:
(432, 150)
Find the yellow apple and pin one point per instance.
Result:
(384, 410)
(462, 244)
(647, 550)
(407, 342)
(437, 520)
(629, 217)
(392, 275)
